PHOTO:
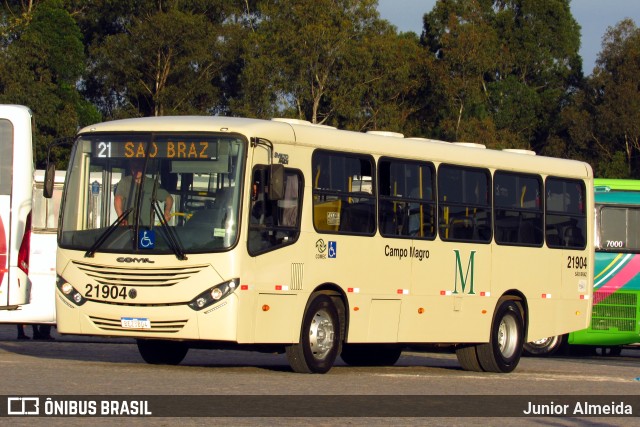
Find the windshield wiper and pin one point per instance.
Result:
(104, 236)
(172, 240)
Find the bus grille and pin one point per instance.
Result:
(167, 326)
(139, 276)
(617, 311)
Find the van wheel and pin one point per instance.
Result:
(161, 352)
(320, 338)
(502, 352)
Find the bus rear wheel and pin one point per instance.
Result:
(502, 352)
(161, 352)
(370, 354)
(544, 346)
(468, 357)
(320, 338)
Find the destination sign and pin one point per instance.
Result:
(197, 150)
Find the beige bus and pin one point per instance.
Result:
(316, 242)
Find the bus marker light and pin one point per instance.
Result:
(546, 296)
(403, 291)
(485, 294)
(584, 296)
(356, 308)
(354, 290)
(484, 311)
(420, 310)
(282, 288)
(445, 292)
(265, 307)
(244, 287)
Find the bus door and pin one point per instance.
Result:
(16, 174)
(273, 224)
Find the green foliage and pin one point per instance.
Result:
(43, 60)
(511, 62)
(615, 85)
(162, 63)
(505, 73)
(328, 61)
(615, 168)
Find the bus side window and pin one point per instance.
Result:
(274, 223)
(406, 205)
(343, 193)
(566, 216)
(518, 215)
(464, 204)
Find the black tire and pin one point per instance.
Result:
(502, 352)
(161, 352)
(582, 350)
(320, 338)
(544, 347)
(615, 350)
(370, 354)
(468, 357)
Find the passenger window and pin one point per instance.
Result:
(343, 193)
(407, 199)
(518, 215)
(274, 223)
(464, 204)
(566, 218)
(618, 229)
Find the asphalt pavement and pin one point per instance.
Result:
(9, 332)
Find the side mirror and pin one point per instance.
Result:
(49, 179)
(276, 182)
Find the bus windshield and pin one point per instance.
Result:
(159, 193)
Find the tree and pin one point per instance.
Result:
(328, 61)
(615, 95)
(42, 60)
(543, 68)
(463, 47)
(389, 72)
(293, 55)
(507, 65)
(158, 57)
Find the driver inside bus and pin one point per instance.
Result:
(126, 194)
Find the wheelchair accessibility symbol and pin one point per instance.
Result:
(146, 239)
(333, 251)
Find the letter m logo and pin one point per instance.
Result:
(465, 278)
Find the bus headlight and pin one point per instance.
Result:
(214, 294)
(69, 291)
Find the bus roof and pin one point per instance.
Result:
(301, 133)
(617, 197)
(606, 184)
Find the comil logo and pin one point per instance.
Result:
(23, 406)
(130, 260)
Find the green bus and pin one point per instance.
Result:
(615, 319)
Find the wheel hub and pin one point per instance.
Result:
(321, 334)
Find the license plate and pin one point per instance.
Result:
(135, 323)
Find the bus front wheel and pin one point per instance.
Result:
(502, 352)
(160, 352)
(320, 338)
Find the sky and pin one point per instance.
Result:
(594, 16)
